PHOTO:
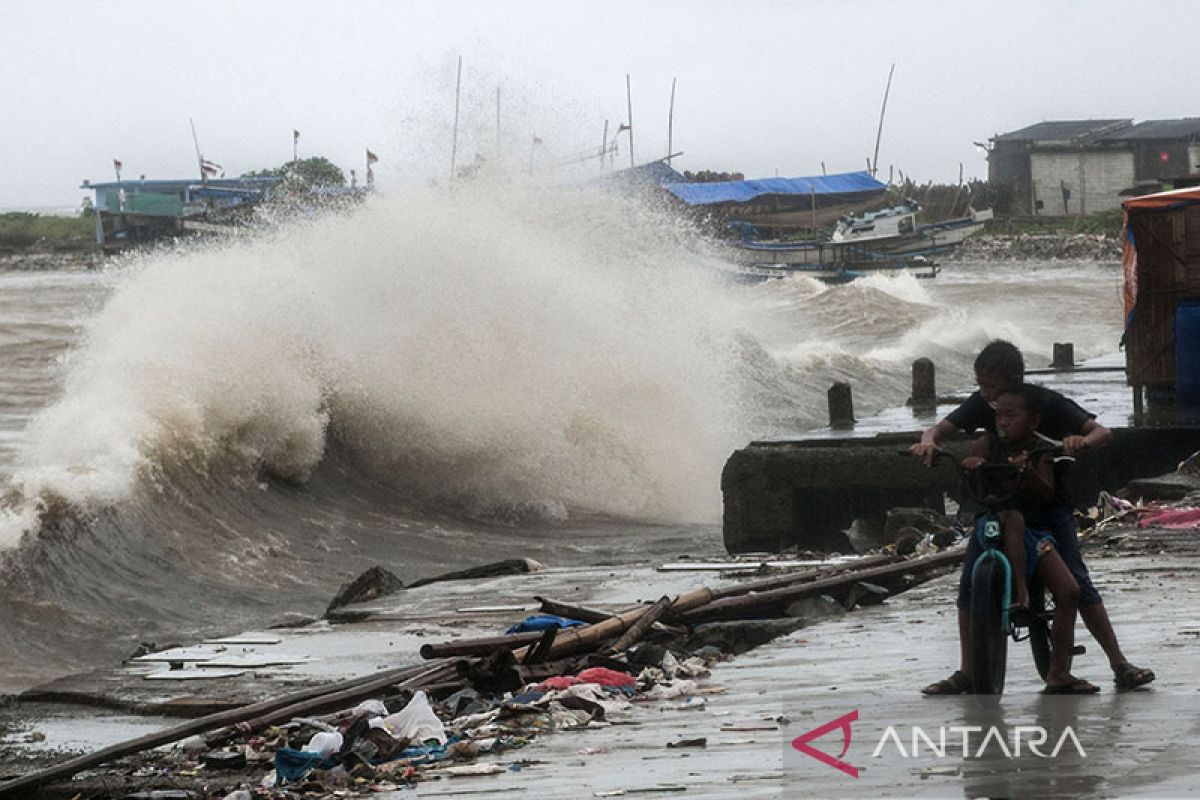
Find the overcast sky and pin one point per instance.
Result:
(765, 88)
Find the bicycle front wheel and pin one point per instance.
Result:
(989, 639)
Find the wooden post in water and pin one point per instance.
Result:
(924, 387)
(1064, 356)
(841, 406)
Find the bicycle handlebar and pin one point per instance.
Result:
(997, 472)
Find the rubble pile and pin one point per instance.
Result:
(1041, 247)
(475, 703)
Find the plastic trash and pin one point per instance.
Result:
(375, 708)
(324, 744)
(415, 722)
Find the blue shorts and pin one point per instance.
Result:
(1059, 523)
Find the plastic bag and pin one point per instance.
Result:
(415, 722)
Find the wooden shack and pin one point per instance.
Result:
(1162, 277)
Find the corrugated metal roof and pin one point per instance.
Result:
(1063, 130)
(1171, 199)
(1186, 128)
(179, 184)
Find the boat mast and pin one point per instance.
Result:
(629, 106)
(874, 165)
(671, 122)
(199, 158)
(454, 141)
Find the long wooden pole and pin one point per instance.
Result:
(478, 646)
(349, 690)
(874, 165)
(638, 629)
(735, 607)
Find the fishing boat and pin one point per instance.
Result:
(887, 239)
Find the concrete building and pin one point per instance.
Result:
(1078, 167)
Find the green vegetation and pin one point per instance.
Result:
(22, 230)
(1108, 223)
(305, 174)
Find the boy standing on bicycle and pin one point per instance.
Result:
(1000, 365)
(1029, 488)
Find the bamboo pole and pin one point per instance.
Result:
(638, 629)
(478, 646)
(574, 640)
(279, 708)
(735, 607)
(581, 613)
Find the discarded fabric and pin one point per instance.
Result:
(541, 622)
(608, 677)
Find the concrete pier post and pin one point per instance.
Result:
(1064, 356)
(841, 406)
(924, 388)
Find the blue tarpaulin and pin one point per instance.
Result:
(698, 194)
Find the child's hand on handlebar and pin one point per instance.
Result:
(971, 463)
(925, 450)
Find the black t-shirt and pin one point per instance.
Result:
(1061, 416)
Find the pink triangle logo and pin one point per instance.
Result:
(801, 743)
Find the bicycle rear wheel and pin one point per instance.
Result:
(1039, 628)
(989, 639)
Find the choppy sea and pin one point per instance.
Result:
(201, 439)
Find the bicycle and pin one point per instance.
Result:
(991, 623)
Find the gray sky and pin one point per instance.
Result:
(765, 88)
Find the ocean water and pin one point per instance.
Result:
(202, 439)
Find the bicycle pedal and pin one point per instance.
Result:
(1078, 650)
(1020, 616)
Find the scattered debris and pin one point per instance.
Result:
(371, 584)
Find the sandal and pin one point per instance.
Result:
(1077, 686)
(958, 683)
(1127, 676)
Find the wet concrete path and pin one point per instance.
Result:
(1133, 744)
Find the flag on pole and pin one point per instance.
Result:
(537, 139)
(117, 165)
(624, 127)
(371, 157)
(210, 168)
(295, 135)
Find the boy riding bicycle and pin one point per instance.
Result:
(1000, 365)
(1028, 489)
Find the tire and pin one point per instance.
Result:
(989, 640)
(1041, 629)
